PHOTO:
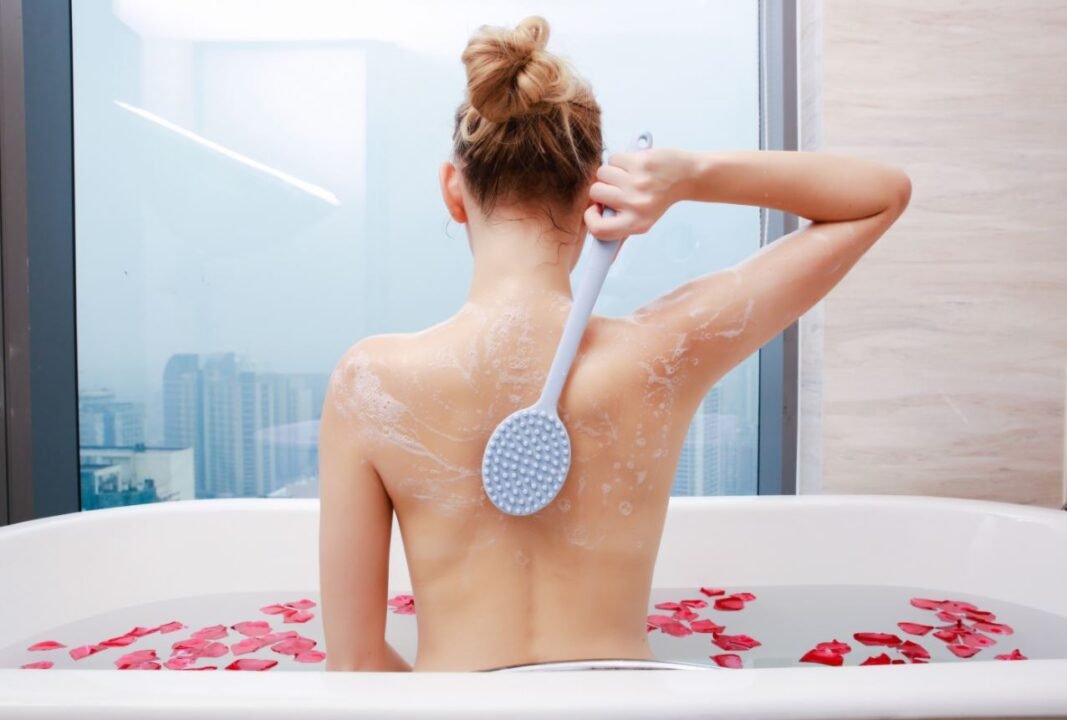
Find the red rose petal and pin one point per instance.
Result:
(401, 604)
(189, 644)
(120, 641)
(249, 645)
(746, 597)
(914, 628)
(213, 650)
(211, 633)
(46, 664)
(275, 609)
(148, 665)
(946, 635)
(728, 660)
(924, 604)
(697, 603)
(948, 617)
(706, 626)
(676, 629)
(730, 603)
(912, 650)
(46, 645)
(993, 628)
(980, 615)
(251, 664)
(170, 627)
(1013, 655)
(142, 631)
(823, 657)
(202, 667)
(735, 642)
(85, 651)
(878, 639)
(882, 659)
(685, 614)
(253, 628)
(668, 606)
(963, 651)
(179, 663)
(977, 640)
(659, 620)
(293, 646)
(136, 657)
(712, 592)
(958, 606)
(836, 646)
(310, 656)
(899, 662)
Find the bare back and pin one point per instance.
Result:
(570, 581)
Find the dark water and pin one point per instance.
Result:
(787, 621)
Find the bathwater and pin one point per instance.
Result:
(751, 627)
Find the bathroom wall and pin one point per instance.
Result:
(945, 349)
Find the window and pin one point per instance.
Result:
(256, 189)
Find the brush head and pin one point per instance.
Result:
(526, 461)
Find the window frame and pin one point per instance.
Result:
(39, 460)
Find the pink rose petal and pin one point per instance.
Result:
(948, 616)
(147, 665)
(1013, 655)
(213, 650)
(836, 646)
(946, 635)
(120, 641)
(404, 604)
(676, 629)
(171, 627)
(882, 659)
(211, 633)
(958, 606)
(730, 603)
(253, 628)
(251, 664)
(202, 667)
(685, 614)
(823, 657)
(136, 657)
(924, 604)
(85, 651)
(659, 620)
(293, 646)
(914, 628)
(963, 651)
(302, 616)
(712, 592)
(46, 645)
(977, 640)
(179, 663)
(735, 642)
(190, 644)
(993, 628)
(276, 636)
(746, 597)
(142, 631)
(728, 660)
(980, 615)
(310, 656)
(697, 603)
(706, 626)
(668, 606)
(249, 645)
(46, 664)
(868, 638)
(275, 609)
(302, 604)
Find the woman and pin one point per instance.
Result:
(407, 417)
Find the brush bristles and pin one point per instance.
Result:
(526, 462)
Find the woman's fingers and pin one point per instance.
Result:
(613, 175)
(607, 228)
(608, 195)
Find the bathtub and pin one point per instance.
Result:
(56, 570)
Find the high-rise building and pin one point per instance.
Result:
(102, 420)
(113, 476)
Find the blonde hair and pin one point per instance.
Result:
(529, 128)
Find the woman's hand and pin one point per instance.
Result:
(639, 186)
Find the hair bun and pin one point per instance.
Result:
(509, 73)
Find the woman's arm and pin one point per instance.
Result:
(724, 316)
(355, 529)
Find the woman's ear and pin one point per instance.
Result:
(451, 192)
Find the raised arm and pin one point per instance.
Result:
(722, 317)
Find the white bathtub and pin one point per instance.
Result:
(87, 563)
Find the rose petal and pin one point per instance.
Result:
(900, 662)
(649, 627)
(728, 660)
(46, 664)
(882, 659)
(676, 629)
(253, 628)
(958, 606)
(730, 603)
(213, 650)
(179, 663)
(963, 651)
(980, 615)
(823, 657)
(1013, 655)
(746, 597)
(914, 628)
(148, 665)
(993, 628)
(293, 646)
(251, 664)
(189, 644)
(249, 645)
(120, 641)
(171, 627)
(211, 633)
(947, 635)
(142, 631)
(310, 656)
(924, 604)
(712, 592)
(878, 639)
(659, 620)
(697, 603)
(85, 651)
(137, 657)
(46, 645)
(948, 616)
(735, 642)
(202, 667)
(685, 614)
(977, 640)
(706, 626)
(302, 604)
(302, 616)
(275, 609)
(668, 606)
(836, 646)
(912, 650)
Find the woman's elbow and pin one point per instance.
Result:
(899, 188)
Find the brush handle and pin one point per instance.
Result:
(598, 255)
